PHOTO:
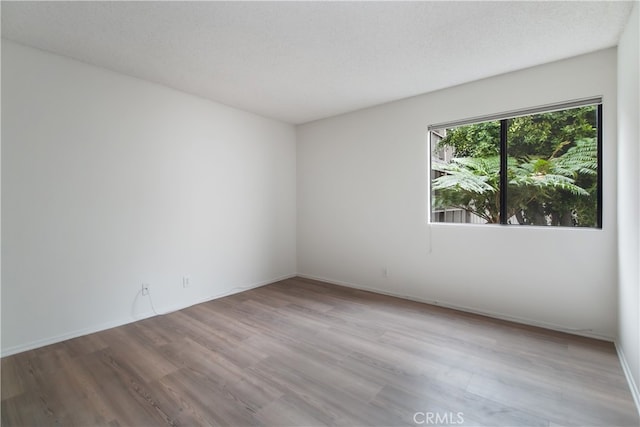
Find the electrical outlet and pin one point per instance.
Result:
(186, 281)
(145, 288)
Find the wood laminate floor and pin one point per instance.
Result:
(300, 352)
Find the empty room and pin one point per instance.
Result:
(320, 213)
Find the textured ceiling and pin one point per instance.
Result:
(302, 61)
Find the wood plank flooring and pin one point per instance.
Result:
(301, 352)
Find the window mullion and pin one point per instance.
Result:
(503, 171)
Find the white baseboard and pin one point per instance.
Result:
(627, 373)
(231, 291)
(69, 335)
(108, 325)
(495, 315)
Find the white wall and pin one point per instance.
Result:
(362, 207)
(629, 200)
(109, 181)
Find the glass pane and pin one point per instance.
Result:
(465, 174)
(553, 168)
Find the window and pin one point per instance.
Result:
(537, 167)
